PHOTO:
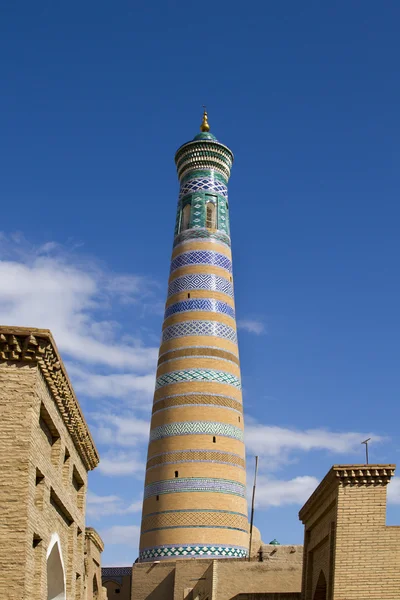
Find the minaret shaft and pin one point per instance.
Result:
(194, 500)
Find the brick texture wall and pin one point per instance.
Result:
(93, 549)
(349, 552)
(118, 582)
(44, 476)
(193, 579)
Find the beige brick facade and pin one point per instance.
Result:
(279, 572)
(118, 582)
(349, 551)
(45, 453)
(93, 548)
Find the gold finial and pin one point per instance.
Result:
(205, 126)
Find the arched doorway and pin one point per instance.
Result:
(55, 571)
(320, 590)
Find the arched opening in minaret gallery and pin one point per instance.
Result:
(211, 215)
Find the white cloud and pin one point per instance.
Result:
(275, 492)
(135, 506)
(251, 326)
(278, 443)
(120, 464)
(120, 430)
(393, 491)
(102, 506)
(138, 389)
(94, 499)
(126, 535)
(47, 288)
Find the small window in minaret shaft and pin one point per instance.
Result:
(211, 215)
(239, 419)
(185, 217)
(176, 474)
(188, 295)
(214, 440)
(157, 498)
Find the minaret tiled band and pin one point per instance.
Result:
(195, 489)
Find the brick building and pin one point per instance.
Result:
(349, 551)
(118, 582)
(205, 579)
(46, 451)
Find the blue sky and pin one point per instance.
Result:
(96, 98)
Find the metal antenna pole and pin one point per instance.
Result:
(366, 449)
(252, 506)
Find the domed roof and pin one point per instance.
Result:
(274, 543)
(205, 135)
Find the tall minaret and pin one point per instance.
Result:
(195, 498)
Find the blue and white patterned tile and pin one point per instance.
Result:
(203, 184)
(195, 484)
(201, 257)
(192, 551)
(196, 428)
(200, 304)
(199, 328)
(208, 375)
(195, 281)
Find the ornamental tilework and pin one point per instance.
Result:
(199, 174)
(201, 257)
(115, 571)
(207, 351)
(209, 375)
(223, 217)
(200, 304)
(201, 399)
(198, 212)
(195, 518)
(188, 328)
(204, 183)
(200, 282)
(196, 428)
(203, 156)
(195, 484)
(194, 550)
(212, 456)
(203, 167)
(202, 234)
